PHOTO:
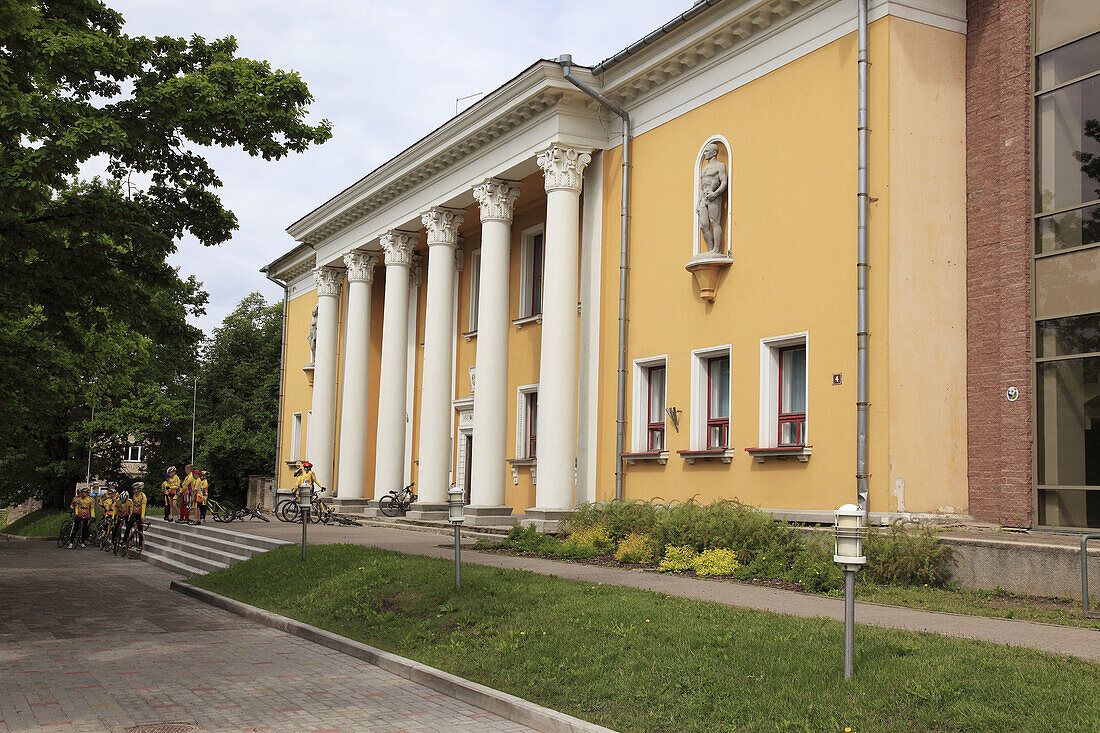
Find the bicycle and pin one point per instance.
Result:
(397, 502)
(248, 513)
(346, 521)
(108, 538)
(221, 512)
(136, 542)
(65, 534)
(320, 512)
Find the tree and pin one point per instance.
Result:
(90, 313)
(239, 396)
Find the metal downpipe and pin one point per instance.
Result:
(566, 62)
(862, 267)
(282, 381)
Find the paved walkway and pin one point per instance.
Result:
(90, 642)
(1078, 642)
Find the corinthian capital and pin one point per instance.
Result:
(442, 225)
(361, 266)
(563, 168)
(328, 280)
(497, 199)
(398, 247)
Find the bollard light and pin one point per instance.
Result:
(849, 530)
(456, 514)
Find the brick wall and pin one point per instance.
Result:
(998, 280)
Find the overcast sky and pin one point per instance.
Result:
(385, 73)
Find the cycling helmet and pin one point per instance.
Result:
(171, 470)
(138, 485)
(307, 464)
(85, 489)
(125, 495)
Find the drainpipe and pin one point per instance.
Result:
(282, 381)
(862, 266)
(566, 62)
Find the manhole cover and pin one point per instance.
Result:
(165, 728)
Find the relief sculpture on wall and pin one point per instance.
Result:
(312, 338)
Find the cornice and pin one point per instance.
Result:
(537, 91)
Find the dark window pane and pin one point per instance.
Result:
(536, 274)
(1067, 283)
(1071, 335)
(719, 374)
(1068, 145)
(1068, 229)
(1069, 62)
(793, 368)
(1069, 508)
(1067, 415)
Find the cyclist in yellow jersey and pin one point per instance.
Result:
(83, 508)
(171, 489)
(124, 507)
(140, 499)
(307, 480)
(202, 493)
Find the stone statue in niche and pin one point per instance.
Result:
(713, 181)
(312, 338)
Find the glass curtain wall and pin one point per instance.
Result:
(1067, 263)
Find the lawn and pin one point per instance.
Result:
(639, 661)
(39, 523)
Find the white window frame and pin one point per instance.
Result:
(296, 436)
(521, 420)
(526, 278)
(697, 432)
(639, 410)
(475, 290)
(769, 386)
(140, 450)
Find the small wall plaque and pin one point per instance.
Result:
(1012, 394)
(838, 378)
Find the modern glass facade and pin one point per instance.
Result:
(1066, 272)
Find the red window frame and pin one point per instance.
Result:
(796, 419)
(655, 431)
(722, 424)
(531, 405)
(534, 294)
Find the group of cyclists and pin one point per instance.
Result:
(182, 497)
(120, 510)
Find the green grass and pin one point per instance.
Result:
(39, 523)
(640, 661)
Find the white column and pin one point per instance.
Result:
(497, 199)
(389, 454)
(563, 169)
(322, 425)
(436, 413)
(353, 406)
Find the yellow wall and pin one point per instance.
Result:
(297, 394)
(793, 185)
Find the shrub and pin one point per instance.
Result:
(637, 547)
(718, 561)
(586, 542)
(678, 559)
(621, 518)
(528, 539)
(899, 555)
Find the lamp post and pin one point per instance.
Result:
(303, 512)
(850, 529)
(456, 515)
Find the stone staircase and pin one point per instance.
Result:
(196, 550)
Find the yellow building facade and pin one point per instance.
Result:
(482, 347)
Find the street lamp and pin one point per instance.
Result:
(456, 514)
(849, 531)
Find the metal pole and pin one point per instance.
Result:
(88, 473)
(849, 622)
(458, 558)
(194, 403)
(303, 510)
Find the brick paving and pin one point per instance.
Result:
(95, 643)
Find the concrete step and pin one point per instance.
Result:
(444, 527)
(177, 562)
(181, 540)
(213, 533)
(171, 547)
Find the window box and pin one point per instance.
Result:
(713, 454)
(660, 456)
(801, 452)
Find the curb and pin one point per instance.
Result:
(21, 538)
(513, 708)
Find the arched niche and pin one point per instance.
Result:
(725, 157)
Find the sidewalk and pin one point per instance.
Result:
(1077, 642)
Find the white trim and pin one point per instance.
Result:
(639, 402)
(465, 410)
(521, 419)
(475, 291)
(301, 285)
(454, 372)
(697, 414)
(769, 385)
(296, 436)
(527, 241)
(727, 228)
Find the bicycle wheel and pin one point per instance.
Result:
(116, 543)
(389, 505)
(227, 514)
(136, 543)
(65, 533)
(105, 543)
(288, 512)
(259, 515)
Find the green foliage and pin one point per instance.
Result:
(40, 523)
(716, 561)
(91, 314)
(637, 547)
(903, 555)
(678, 559)
(589, 541)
